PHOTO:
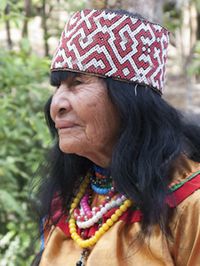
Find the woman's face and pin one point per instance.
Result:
(86, 120)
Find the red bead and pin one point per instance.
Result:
(89, 215)
(98, 209)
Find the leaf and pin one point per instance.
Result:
(9, 203)
(3, 4)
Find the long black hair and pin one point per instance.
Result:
(153, 135)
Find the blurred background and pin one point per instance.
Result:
(29, 33)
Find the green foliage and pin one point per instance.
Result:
(11, 10)
(23, 140)
(172, 16)
(194, 67)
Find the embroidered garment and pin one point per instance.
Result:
(119, 245)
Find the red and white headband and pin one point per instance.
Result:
(108, 44)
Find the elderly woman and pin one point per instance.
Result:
(122, 180)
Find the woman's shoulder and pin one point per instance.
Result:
(185, 229)
(185, 183)
(190, 205)
(185, 223)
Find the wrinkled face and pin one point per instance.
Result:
(86, 119)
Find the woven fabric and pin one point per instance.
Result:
(112, 45)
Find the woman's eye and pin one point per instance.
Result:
(77, 82)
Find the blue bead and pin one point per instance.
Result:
(101, 191)
(102, 171)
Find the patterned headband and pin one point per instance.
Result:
(108, 44)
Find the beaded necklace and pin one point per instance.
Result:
(87, 217)
(102, 230)
(85, 212)
(101, 182)
(99, 212)
(83, 216)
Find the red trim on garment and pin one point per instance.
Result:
(133, 216)
(183, 192)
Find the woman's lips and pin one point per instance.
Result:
(64, 125)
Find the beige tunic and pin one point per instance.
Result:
(118, 248)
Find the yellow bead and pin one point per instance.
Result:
(85, 185)
(76, 200)
(74, 235)
(79, 241)
(98, 234)
(109, 222)
(105, 227)
(82, 190)
(101, 230)
(114, 217)
(72, 230)
(84, 244)
(79, 194)
(118, 212)
(73, 206)
(72, 225)
(123, 208)
(127, 203)
(92, 241)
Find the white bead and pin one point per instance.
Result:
(107, 206)
(98, 215)
(123, 197)
(103, 210)
(89, 224)
(95, 219)
(78, 223)
(118, 201)
(113, 204)
(94, 209)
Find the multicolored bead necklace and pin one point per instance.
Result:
(83, 216)
(101, 182)
(104, 227)
(99, 212)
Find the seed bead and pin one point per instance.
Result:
(114, 217)
(105, 227)
(118, 213)
(109, 222)
(123, 208)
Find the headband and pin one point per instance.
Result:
(109, 44)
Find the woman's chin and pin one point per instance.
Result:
(69, 148)
(66, 148)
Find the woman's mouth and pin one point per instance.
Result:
(60, 125)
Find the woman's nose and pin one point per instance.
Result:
(60, 105)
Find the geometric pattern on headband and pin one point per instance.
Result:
(108, 44)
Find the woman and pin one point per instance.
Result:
(122, 180)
